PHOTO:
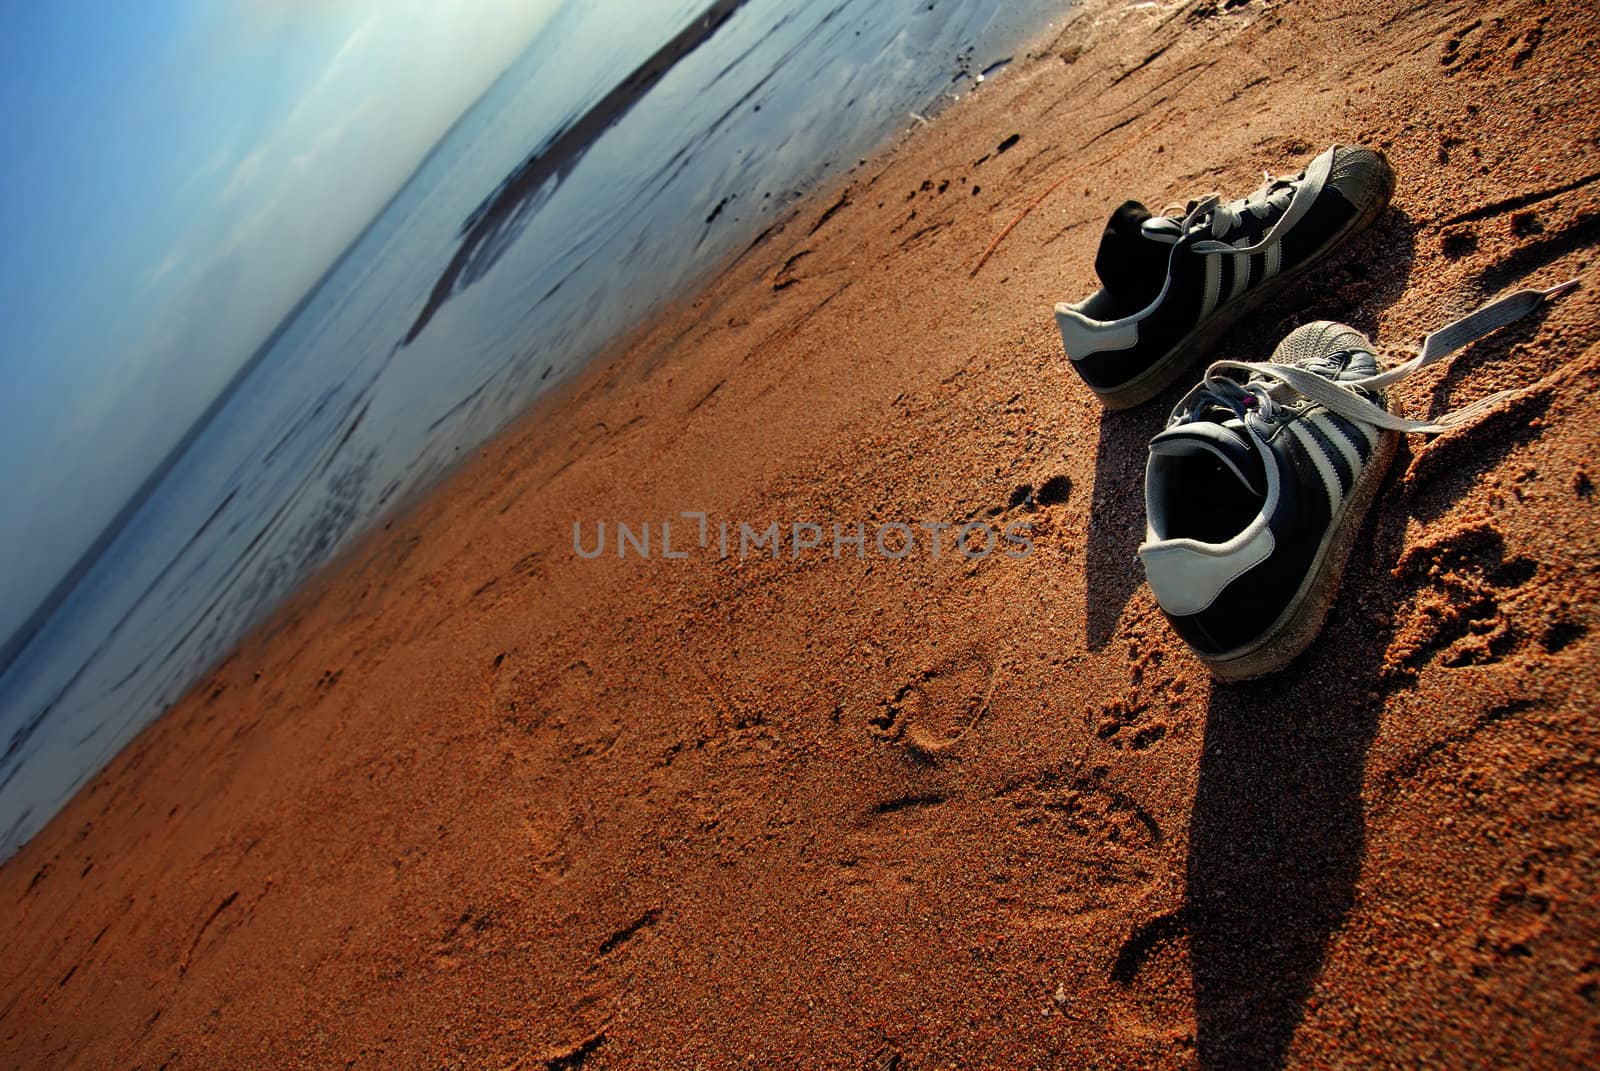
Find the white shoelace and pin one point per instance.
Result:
(1274, 194)
(1266, 387)
(1292, 196)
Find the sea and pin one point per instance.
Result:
(617, 162)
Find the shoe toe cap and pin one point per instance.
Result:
(1362, 175)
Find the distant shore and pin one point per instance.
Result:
(475, 799)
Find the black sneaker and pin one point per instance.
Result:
(1255, 491)
(1173, 286)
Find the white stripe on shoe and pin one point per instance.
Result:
(1319, 457)
(1241, 270)
(1339, 439)
(1213, 291)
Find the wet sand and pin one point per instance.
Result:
(472, 801)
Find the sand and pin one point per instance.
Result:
(472, 801)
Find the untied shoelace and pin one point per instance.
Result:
(1265, 387)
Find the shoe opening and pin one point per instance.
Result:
(1131, 264)
(1204, 483)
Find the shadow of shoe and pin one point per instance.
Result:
(1278, 833)
(1116, 515)
(1354, 288)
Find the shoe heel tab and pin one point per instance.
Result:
(1186, 577)
(1082, 335)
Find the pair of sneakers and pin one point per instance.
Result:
(1257, 486)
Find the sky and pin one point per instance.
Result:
(174, 176)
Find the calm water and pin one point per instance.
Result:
(561, 208)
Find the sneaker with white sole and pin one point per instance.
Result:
(1173, 285)
(1257, 487)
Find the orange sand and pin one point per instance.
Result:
(472, 802)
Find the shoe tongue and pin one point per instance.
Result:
(1132, 261)
(1162, 228)
(1349, 364)
(1228, 443)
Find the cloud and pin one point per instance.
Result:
(347, 51)
(244, 173)
(168, 265)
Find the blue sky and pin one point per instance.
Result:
(175, 175)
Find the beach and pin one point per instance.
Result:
(474, 799)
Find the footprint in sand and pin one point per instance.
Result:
(786, 276)
(1453, 614)
(552, 721)
(1464, 47)
(462, 939)
(553, 823)
(526, 696)
(1471, 47)
(506, 690)
(935, 710)
(1129, 726)
(1153, 980)
(1079, 844)
(1144, 715)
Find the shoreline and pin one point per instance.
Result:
(468, 799)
